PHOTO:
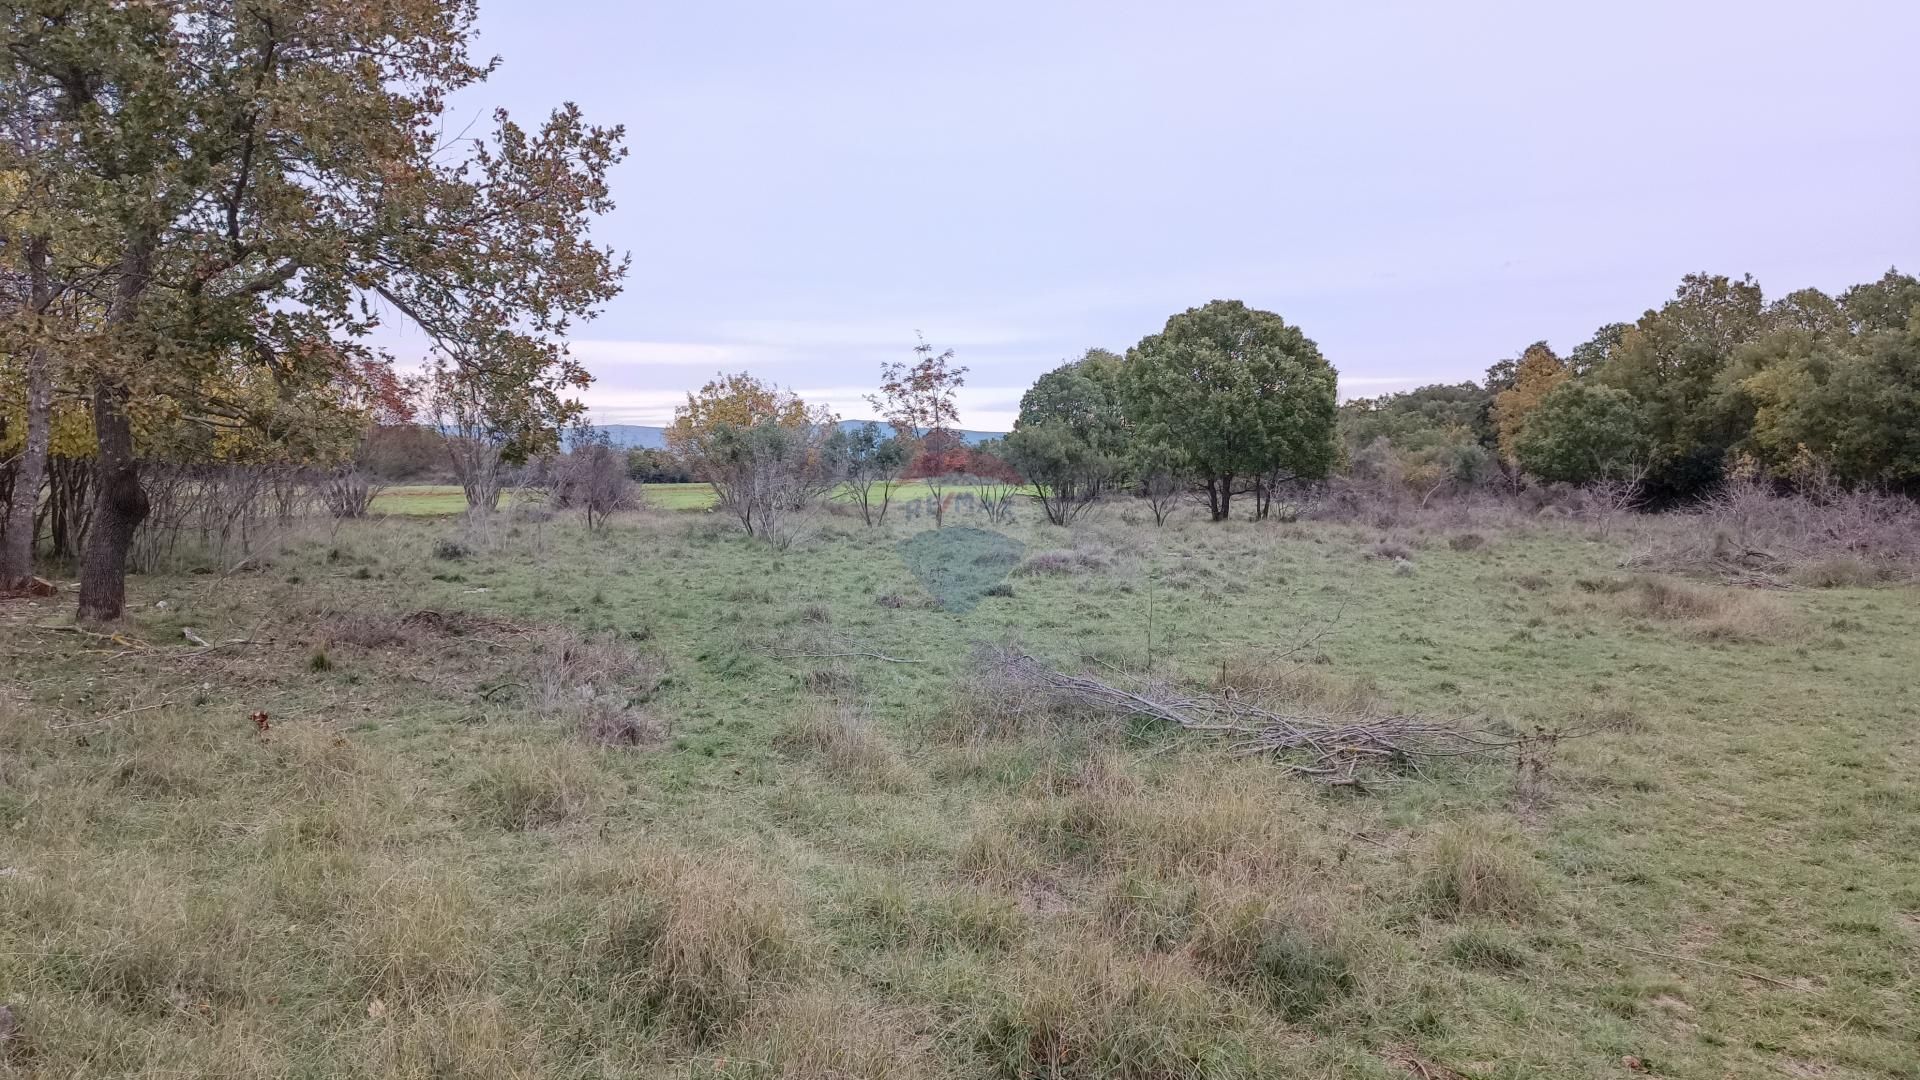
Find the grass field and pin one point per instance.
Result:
(526, 801)
(440, 499)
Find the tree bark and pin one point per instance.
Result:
(16, 547)
(119, 506)
(119, 502)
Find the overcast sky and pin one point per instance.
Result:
(1423, 187)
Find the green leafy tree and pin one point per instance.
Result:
(1887, 304)
(1583, 432)
(1071, 437)
(1850, 402)
(871, 462)
(1673, 362)
(1246, 400)
(1587, 356)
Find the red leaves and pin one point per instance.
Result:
(260, 721)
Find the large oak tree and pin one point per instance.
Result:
(260, 180)
(1244, 398)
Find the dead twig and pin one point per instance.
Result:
(1743, 972)
(108, 718)
(1330, 749)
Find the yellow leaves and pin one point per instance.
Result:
(739, 400)
(1538, 373)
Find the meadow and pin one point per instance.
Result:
(416, 797)
(443, 499)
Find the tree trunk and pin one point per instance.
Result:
(119, 502)
(119, 506)
(1220, 496)
(16, 547)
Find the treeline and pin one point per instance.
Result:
(1716, 382)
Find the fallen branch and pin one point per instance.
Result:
(108, 718)
(1329, 749)
(1743, 972)
(831, 655)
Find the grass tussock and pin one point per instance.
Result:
(829, 1031)
(694, 942)
(531, 787)
(1090, 1011)
(1061, 562)
(412, 938)
(842, 741)
(1711, 613)
(1474, 869)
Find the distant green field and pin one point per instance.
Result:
(437, 499)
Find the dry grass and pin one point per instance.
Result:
(531, 787)
(1476, 869)
(841, 741)
(696, 942)
(1090, 1011)
(1712, 613)
(830, 1031)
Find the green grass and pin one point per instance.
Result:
(832, 865)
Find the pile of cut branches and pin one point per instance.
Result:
(1329, 748)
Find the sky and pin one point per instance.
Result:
(1424, 188)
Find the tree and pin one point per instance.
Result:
(1849, 401)
(246, 177)
(1066, 471)
(731, 401)
(766, 452)
(1536, 374)
(1071, 437)
(593, 477)
(1242, 396)
(919, 400)
(1582, 433)
(871, 462)
(1672, 362)
(650, 466)
(29, 339)
(1586, 357)
(1887, 304)
(1439, 435)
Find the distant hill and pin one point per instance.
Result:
(646, 437)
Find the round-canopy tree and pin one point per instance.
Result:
(1582, 432)
(1246, 400)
